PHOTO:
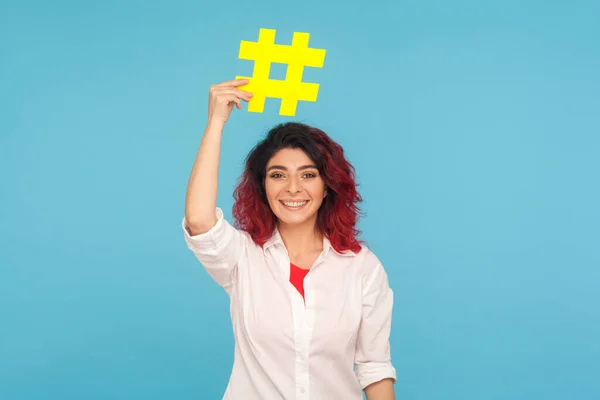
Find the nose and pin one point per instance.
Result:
(294, 186)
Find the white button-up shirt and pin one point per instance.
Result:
(329, 346)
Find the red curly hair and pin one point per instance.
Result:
(337, 216)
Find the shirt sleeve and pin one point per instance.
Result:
(218, 250)
(373, 359)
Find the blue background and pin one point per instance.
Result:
(475, 130)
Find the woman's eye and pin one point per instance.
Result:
(308, 175)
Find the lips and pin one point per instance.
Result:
(294, 205)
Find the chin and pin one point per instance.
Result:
(293, 217)
(294, 221)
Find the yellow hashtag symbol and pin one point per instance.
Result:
(291, 89)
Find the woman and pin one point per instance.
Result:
(310, 306)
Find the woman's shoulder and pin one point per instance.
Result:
(369, 261)
(372, 272)
(365, 259)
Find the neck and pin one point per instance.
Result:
(301, 239)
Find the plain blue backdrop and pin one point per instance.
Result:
(475, 130)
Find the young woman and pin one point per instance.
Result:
(310, 305)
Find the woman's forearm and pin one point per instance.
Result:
(382, 390)
(201, 196)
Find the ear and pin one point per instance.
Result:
(325, 193)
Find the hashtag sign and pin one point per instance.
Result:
(291, 89)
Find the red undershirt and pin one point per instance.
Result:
(297, 275)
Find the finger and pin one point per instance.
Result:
(242, 94)
(236, 92)
(232, 98)
(240, 82)
(233, 82)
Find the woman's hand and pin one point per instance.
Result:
(223, 96)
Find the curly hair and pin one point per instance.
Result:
(338, 214)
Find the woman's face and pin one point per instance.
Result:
(294, 187)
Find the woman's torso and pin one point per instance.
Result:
(288, 347)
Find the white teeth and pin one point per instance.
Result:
(294, 203)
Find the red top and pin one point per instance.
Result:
(297, 275)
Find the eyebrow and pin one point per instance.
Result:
(285, 169)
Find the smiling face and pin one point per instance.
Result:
(294, 187)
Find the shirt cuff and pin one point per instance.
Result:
(374, 372)
(207, 240)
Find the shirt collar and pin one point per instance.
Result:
(276, 239)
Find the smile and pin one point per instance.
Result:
(293, 205)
